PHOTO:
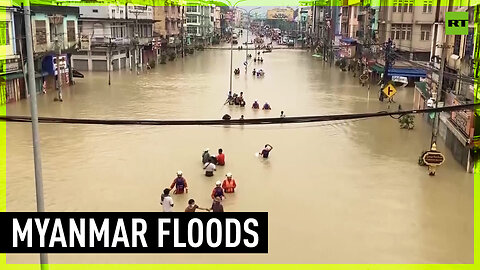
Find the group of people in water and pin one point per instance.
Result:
(235, 99)
(211, 161)
(228, 185)
(258, 73)
(240, 101)
(256, 105)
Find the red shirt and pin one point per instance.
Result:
(229, 186)
(221, 159)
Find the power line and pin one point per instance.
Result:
(257, 121)
(450, 75)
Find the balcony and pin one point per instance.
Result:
(103, 41)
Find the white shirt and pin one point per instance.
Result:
(430, 102)
(167, 204)
(209, 167)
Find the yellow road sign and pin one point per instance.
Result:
(389, 90)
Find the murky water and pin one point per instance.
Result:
(349, 192)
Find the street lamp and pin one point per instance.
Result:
(231, 44)
(110, 61)
(248, 27)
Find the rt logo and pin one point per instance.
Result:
(457, 23)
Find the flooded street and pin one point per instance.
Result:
(343, 192)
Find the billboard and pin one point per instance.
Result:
(280, 14)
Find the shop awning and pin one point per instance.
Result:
(378, 69)
(422, 88)
(348, 40)
(403, 72)
(407, 72)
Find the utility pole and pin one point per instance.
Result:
(231, 63)
(56, 19)
(246, 44)
(248, 27)
(388, 63)
(110, 61)
(37, 161)
(436, 122)
(183, 31)
(137, 49)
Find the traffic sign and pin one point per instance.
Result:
(433, 158)
(389, 90)
(245, 63)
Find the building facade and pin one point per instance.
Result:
(114, 37)
(12, 82)
(409, 26)
(55, 35)
(169, 19)
(200, 24)
(456, 128)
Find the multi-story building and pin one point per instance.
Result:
(169, 22)
(55, 34)
(200, 24)
(12, 82)
(456, 128)
(304, 20)
(409, 27)
(114, 37)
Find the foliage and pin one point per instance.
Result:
(407, 121)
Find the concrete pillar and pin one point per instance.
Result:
(109, 62)
(89, 61)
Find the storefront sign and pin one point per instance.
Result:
(348, 51)
(433, 158)
(85, 43)
(463, 120)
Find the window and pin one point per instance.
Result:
(401, 31)
(469, 44)
(425, 32)
(192, 9)
(149, 30)
(408, 6)
(95, 10)
(407, 32)
(4, 33)
(402, 6)
(396, 30)
(40, 32)
(192, 30)
(70, 31)
(456, 45)
(427, 6)
(395, 6)
(192, 19)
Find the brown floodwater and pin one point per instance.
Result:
(342, 192)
